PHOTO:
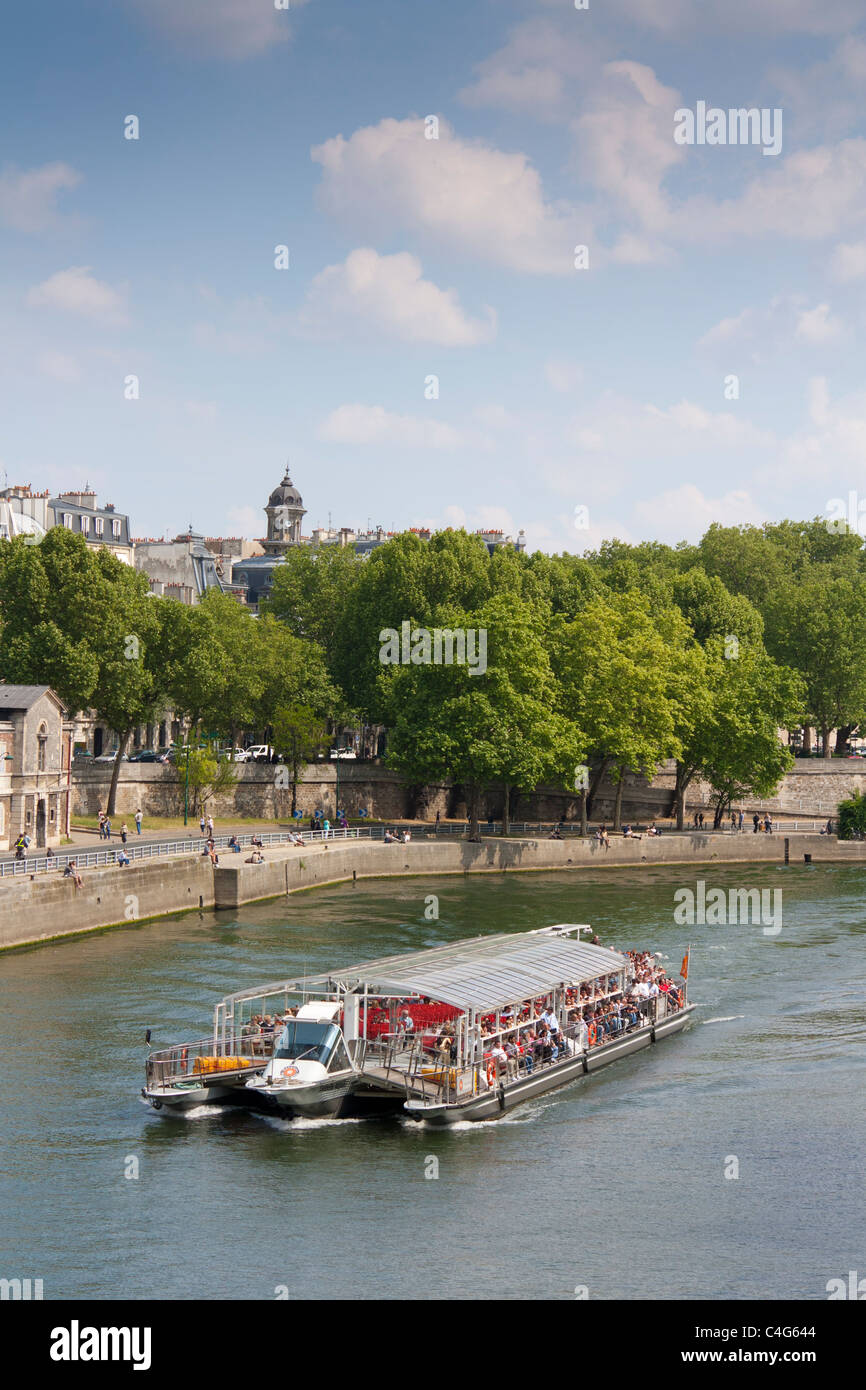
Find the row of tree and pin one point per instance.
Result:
(81, 621)
(609, 662)
(605, 663)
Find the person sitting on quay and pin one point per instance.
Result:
(257, 842)
(628, 833)
(71, 871)
(255, 858)
(122, 858)
(654, 830)
(234, 845)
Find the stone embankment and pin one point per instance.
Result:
(813, 789)
(44, 908)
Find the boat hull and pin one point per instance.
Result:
(321, 1098)
(493, 1103)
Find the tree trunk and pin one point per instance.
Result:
(617, 807)
(825, 741)
(583, 826)
(115, 773)
(296, 769)
(684, 777)
(594, 785)
(474, 799)
(506, 810)
(722, 805)
(843, 735)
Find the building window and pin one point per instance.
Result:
(67, 520)
(98, 525)
(43, 739)
(27, 819)
(116, 528)
(52, 814)
(85, 525)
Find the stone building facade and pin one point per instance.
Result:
(35, 744)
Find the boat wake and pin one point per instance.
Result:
(308, 1122)
(724, 1018)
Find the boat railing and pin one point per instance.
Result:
(207, 1058)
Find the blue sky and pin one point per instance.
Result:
(559, 388)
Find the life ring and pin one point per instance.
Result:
(289, 1071)
(491, 1072)
(184, 1053)
(592, 1031)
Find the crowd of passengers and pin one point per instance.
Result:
(597, 1011)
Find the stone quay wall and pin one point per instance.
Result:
(813, 789)
(46, 907)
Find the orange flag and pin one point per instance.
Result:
(684, 968)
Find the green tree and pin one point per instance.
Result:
(209, 776)
(497, 726)
(298, 733)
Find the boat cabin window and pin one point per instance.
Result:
(314, 1041)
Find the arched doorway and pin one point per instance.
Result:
(40, 825)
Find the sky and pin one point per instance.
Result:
(436, 351)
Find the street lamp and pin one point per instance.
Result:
(186, 789)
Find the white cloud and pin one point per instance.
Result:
(390, 294)
(372, 424)
(818, 325)
(28, 197)
(849, 261)
(76, 291)
(219, 28)
(685, 513)
(540, 69)
(458, 194)
(60, 366)
(773, 328)
(626, 146)
(676, 18)
(563, 375)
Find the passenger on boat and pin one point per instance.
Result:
(405, 1022)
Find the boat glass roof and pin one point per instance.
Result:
(484, 972)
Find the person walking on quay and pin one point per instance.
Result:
(740, 824)
(138, 821)
(123, 832)
(701, 821)
(107, 827)
(756, 821)
(210, 827)
(768, 823)
(101, 818)
(201, 822)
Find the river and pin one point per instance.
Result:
(614, 1186)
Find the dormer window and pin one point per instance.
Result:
(98, 525)
(115, 528)
(85, 525)
(67, 520)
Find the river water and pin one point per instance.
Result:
(615, 1184)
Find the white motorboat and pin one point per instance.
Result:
(310, 1071)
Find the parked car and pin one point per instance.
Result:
(110, 758)
(260, 753)
(237, 755)
(147, 755)
(343, 753)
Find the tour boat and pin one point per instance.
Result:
(453, 1008)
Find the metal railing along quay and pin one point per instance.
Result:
(161, 849)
